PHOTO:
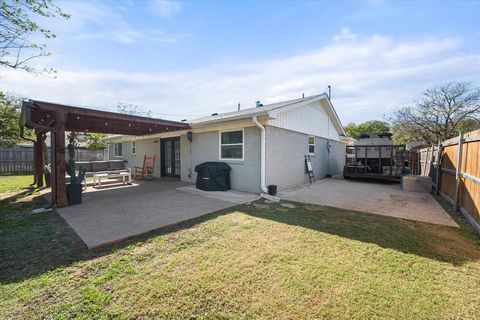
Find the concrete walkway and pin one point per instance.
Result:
(378, 198)
(116, 212)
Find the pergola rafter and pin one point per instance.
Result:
(57, 118)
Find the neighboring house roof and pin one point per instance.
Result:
(270, 109)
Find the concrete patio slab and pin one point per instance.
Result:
(232, 196)
(116, 212)
(378, 198)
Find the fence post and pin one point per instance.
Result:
(438, 165)
(458, 170)
(430, 165)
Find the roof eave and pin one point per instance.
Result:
(238, 117)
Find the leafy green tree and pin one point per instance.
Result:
(21, 37)
(9, 119)
(94, 141)
(440, 114)
(373, 126)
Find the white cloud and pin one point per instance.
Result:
(369, 77)
(109, 22)
(166, 8)
(345, 35)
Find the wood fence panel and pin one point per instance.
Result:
(414, 162)
(422, 161)
(19, 160)
(447, 185)
(469, 198)
(447, 180)
(16, 161)
(469, 171)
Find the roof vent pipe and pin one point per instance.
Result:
(329, 92)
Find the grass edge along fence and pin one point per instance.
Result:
(457, 178)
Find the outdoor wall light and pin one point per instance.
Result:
(190, 136)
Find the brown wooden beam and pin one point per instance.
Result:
(116, 126)
(61, 188)
(41, 115)
(53, 177)
(77, 111)
(38, 157)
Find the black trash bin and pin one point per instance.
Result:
(213, 176)
(272, 189)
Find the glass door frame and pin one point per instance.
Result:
(174, 141)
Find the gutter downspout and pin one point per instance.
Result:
(262, 154)
(263, 162)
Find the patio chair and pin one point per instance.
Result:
(147, 170)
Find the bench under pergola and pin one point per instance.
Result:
(57, 118)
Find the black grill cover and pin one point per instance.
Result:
(213, 176)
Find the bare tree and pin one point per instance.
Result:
(18, 28)
(133, 109)
(441, 113)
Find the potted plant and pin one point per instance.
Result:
(74, 189)
(47, 173)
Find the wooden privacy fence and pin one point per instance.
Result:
(423, 160)
(458, 176)
(16, 160)
(19, 160)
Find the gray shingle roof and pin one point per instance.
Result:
(251, 111)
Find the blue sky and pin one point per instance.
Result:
(187, 59)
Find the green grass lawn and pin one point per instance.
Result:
(252, 261)
(14, 183)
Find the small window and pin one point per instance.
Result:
(133, 148)
(231, 145)
(311, 145)
(118, 149)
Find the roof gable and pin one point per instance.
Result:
(273, 109)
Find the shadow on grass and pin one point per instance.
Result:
(32, 244)
(442, 243)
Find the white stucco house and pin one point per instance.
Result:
(263, 145)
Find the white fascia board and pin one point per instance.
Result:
(335, 116)
(330, 110)
(227, 118)
(274, 112)
(113, 138)
(225, 125)
(144, 137)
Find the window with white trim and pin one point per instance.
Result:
(231, 145)
(117, 149)
(311, 145)
(134, 151)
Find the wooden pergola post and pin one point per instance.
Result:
(58, 151)
(57, 119)
(38, 157)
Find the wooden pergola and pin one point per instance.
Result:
(46, 117)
